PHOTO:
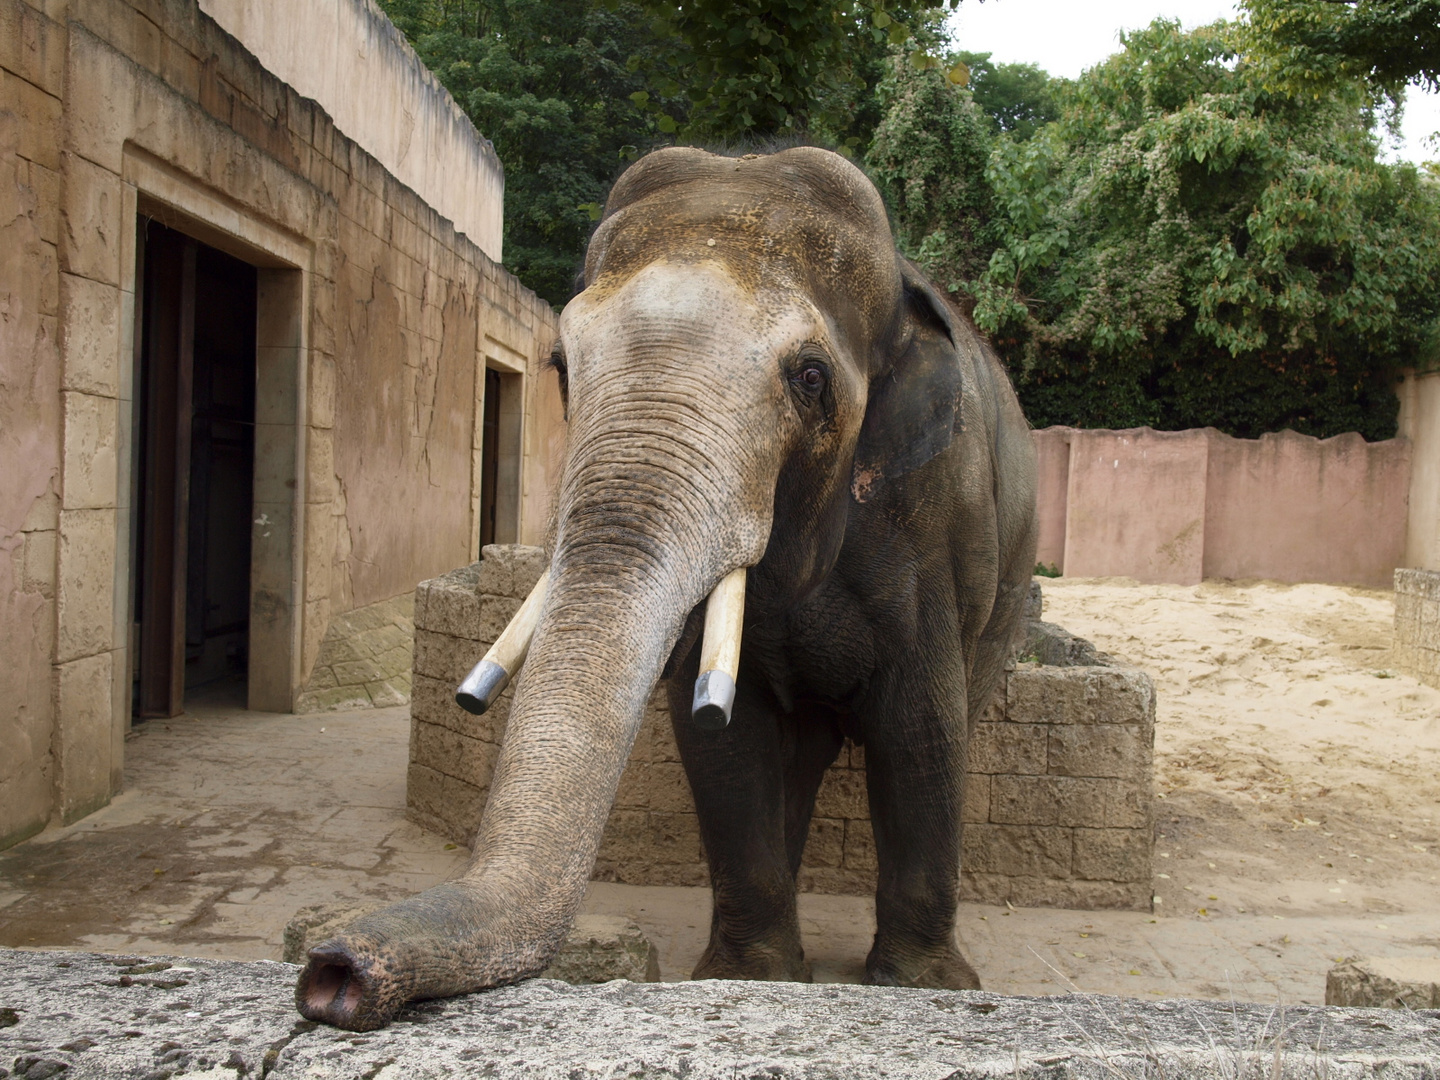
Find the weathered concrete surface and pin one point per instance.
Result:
(114, 1017)
(1179, 506)
(1399, 982)
(1419, 421)
(1417, 624)
(599, 948)
(364, 660)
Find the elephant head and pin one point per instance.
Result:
(748, 359)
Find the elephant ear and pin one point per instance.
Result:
(913, 406)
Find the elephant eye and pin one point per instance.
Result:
(811, 378)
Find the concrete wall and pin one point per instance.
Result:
(375, 320)
(1058, 799)
(349, 57)
(1417, 624)
(1179, 506)
(1420, 423)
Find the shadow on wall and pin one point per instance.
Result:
(1181, 506)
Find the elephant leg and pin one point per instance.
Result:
(915, 769)
(739, 781)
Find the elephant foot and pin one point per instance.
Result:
(756, 963)
(940, 969)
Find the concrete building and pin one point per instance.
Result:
(260, 369)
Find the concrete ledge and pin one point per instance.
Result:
(86, 1015)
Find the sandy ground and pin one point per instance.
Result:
(1299, 773)
(1300, 781)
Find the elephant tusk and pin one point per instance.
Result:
(488, 679)
(720, 653)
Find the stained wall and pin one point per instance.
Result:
(376, 319)
(1180, 506)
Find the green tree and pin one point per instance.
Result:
(549, 82)
(1310, 45)
(1019, 98)
(1189, 245)
(759, 69)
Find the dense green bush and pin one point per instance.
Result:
(1184, 246)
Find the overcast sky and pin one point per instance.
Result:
(1066, 36)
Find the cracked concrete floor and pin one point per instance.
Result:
(233, 820)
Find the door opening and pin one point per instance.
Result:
(195, 472)
(501, 415)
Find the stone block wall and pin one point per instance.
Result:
(1058, 799)
(365, 659)
(1417, 624)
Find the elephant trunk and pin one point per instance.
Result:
(639, 545)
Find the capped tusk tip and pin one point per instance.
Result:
(713, 702)
(485, 683)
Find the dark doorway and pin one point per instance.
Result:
(489, 458)
(196, 465)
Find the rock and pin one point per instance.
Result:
(1400, 982)
(1034, 601)
(228, 1020)
(599, 947)
(1055, 646)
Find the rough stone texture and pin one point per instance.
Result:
(87, 1015)
(598, 948)
(1417, 624)
(364, 660)
(1402, 982)
(1058, 803)
(376, 317)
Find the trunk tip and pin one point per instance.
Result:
(714, 699)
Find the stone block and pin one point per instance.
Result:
(1113, 855)
(86, 571)
(1118, 750)
(842, 795)
(1009, 748)
(1017, 850)
(462, 807)
(92, 444)
(387, 692)
(90, 232)
(825, 846)
(975, 804)
(633, 792)
(90, 336)
(357, 672)
(336, 699)
(860, 846)
(443, 657)
(625, 845)
(424, 789)
(1079, 695)
(453, 611)
(495, 615)
(1400, 982)
(674, 837)
(1048, 800)
(38, 566)
(82, 743)
(1129, 804)
(669, 788)
(835, 881)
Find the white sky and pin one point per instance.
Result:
(1066, 36)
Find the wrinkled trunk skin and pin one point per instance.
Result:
(651, 515)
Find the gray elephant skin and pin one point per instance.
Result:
(753, 378)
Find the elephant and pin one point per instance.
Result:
(752, 377)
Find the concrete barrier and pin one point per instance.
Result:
(1179, 506)
(79, 1015)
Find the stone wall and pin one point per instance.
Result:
(1057, 809)
(365, 659)
(376, 320)
(1181, 506)
(1416, 646)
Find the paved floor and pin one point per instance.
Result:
(233, 820)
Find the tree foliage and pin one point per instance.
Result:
(1187, 245)
(1311, 45)
(550, 83)
(1019, 99)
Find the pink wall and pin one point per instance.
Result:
(1179, 506)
